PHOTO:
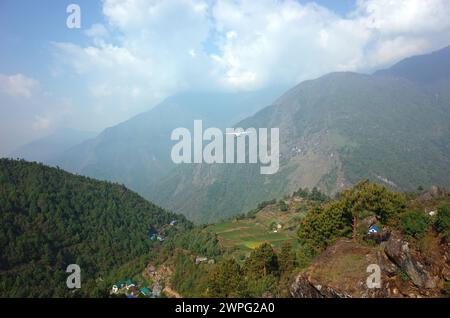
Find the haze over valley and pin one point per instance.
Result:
(225, 149)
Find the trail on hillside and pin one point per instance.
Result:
(171, 293)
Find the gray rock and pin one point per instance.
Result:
(398, 251)
(303, 288)
(387, 267)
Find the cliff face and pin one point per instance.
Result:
(407, 270)
(399, 253)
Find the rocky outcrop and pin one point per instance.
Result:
(302, 287)
(433, 192)
(386, 266)
(341, 270)
(399, 252)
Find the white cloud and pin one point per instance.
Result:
(147, 50)
(404, 16)
(18, 85)
(28, 112)
(41, 123)
(267, 42)
(144, 51)
(284, 42)
(97, 31)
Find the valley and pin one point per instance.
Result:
(362, 183)
(334, 131)
(390, 127)
(283, 248)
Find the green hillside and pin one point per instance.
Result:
(325, 241)
(274, 222)
(50, 218)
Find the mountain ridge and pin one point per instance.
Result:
(137, 152)
(334, 131)
(51, 146)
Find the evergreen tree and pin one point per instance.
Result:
(261, 262)
(226, 280)
(287, 258)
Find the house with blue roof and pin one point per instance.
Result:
(146, 291)
(373, 230)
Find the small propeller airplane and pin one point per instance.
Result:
(238, 133)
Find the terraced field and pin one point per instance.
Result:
(247, 234)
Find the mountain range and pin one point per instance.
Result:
(52, 146)
(137, 151)
(390, 127)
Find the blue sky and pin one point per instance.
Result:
(30, 26)
(131, 54)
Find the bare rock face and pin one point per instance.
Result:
(341, 270)
(365, 292)
(433, 192)
(302, 287)
(399, 252)
(386, 266)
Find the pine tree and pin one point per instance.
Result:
(287, 258)
(226, 280)
(262, 262)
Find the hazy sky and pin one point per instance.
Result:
(130, 54)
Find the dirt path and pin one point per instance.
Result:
(171, 293)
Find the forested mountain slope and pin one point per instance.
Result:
(50, 218)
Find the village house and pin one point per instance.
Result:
(123, 286)
(133, 291)
(118, 286)
(146, 291)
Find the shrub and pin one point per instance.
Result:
(403, 276)
(263, 204)
(282, 205)
(414, 223)
(261, 286)
(323, 224)
(442, 223)
(447, 288)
